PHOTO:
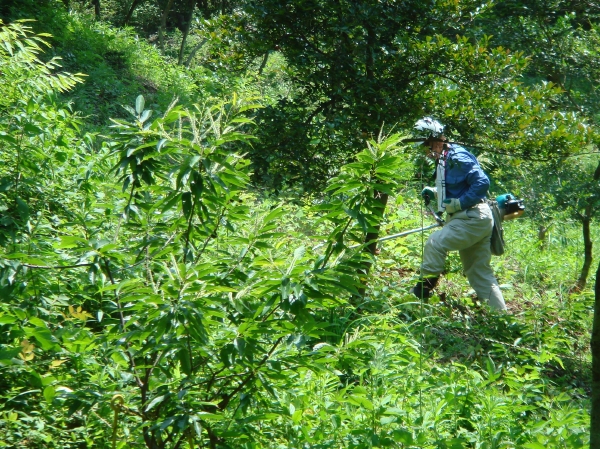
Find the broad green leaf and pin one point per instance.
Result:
(43, 336)
(7, 319)
(273, 215)
(154, 402)
(361, 401)
(145, 116)
(49, 394)
(139, 104)
(186, 203)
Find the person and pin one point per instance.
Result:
(461, 188)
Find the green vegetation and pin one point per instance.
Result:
(188, 209)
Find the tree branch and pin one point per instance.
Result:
(223, 404)
(57, 267)
(139, 382)
(193, 53)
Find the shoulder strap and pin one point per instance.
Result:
(440, 181)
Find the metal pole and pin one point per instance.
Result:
(440, 221)
(402, 234)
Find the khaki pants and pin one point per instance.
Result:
(468, 232)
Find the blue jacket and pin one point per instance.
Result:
(465, 179)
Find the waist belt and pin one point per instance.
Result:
(482, 200)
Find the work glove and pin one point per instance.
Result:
(452, 205)
(428, 194)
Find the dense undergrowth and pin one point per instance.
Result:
(153, 298)
(120, 65)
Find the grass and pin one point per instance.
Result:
(535, 358)
(450, 373)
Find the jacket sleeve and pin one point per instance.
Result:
(465, 179)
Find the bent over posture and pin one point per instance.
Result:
(461, 188)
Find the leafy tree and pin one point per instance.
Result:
(359, 65)
(169, 279)
(192, 295)
(561, 37)
(36, 132)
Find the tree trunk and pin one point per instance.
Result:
(586, 219)
(193, 53)
(543, 236)
(96, 4)
(188, 25)
(163, 26)
(134, 5)
(264, 62)
(587, 249)
(595, 347)
(382, 199)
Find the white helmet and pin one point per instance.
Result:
(428, 124)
